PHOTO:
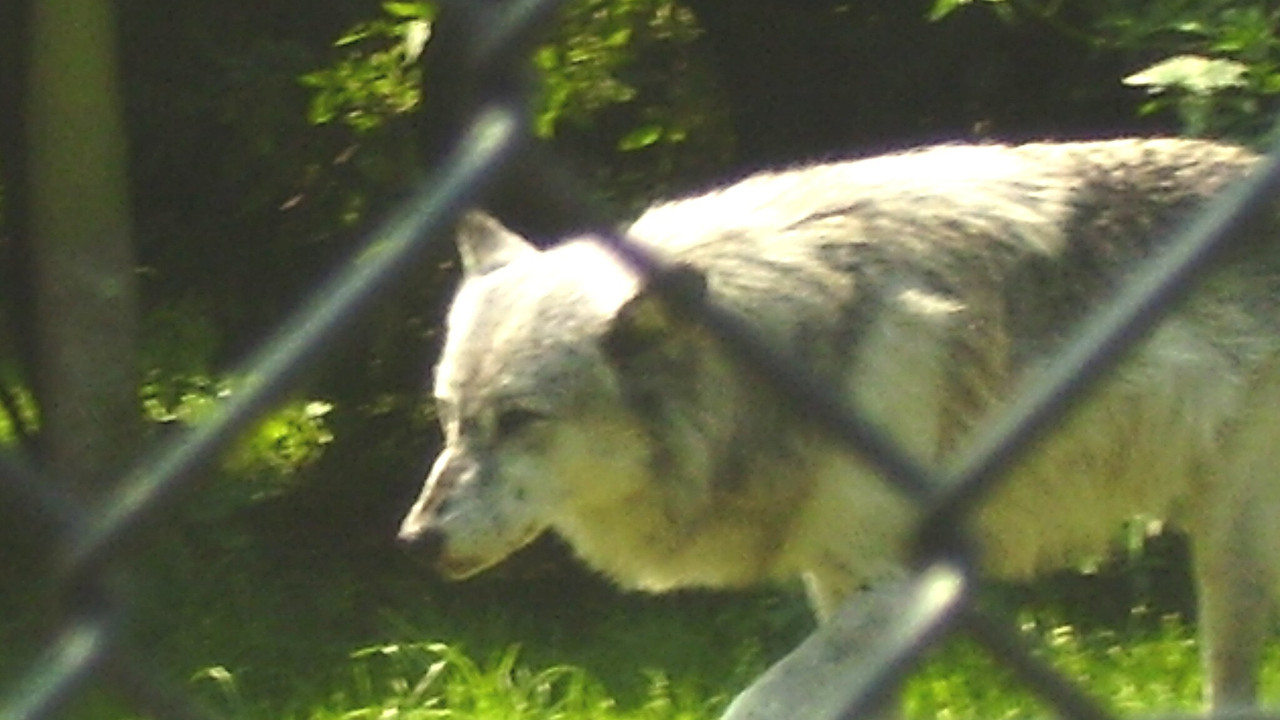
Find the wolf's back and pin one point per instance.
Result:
(1028, 236)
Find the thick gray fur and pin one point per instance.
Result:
(923, 287)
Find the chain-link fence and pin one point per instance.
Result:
(481, 59)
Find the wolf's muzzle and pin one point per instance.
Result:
(426, 543)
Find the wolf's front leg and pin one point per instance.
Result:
(829, 585)
(1235, 578)
(858, 657)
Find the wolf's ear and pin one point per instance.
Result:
(486, 244)
(654, 315)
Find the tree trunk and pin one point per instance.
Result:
(86, 297)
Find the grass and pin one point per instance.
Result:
(286, 628)
(435, 680)
(1138, 669)
(1132, 671)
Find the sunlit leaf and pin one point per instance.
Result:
(1195, 74)
(641, 137)
(410, 10)
(943, 8)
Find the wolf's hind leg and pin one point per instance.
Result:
(1235, 554)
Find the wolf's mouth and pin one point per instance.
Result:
(430, 544)
(461, 568)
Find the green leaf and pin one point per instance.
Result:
(943, 8)
(641, 137)
(618, 38)
(410, 10)
(416, 34)
(1195, 74)
(355, 35)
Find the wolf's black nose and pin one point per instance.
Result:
(425, 543)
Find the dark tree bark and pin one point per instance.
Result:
(86, 306)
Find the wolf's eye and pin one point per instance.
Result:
(514, 421)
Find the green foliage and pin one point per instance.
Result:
(1192, 73)
(1221, 70)
(624, 89)
(267, 460)
(433, 680)
(616, 79)
(1194, 86)
(180, 390)
(377, 78)
(291, 438)
(1217, 63)
(583, 68)
(587, 66)
(1150, 666)
(19, 415)
(943, 8)
(287, 629)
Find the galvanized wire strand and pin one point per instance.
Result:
(1049, 684)
(935, 598)
(510, 31)
(68, 661)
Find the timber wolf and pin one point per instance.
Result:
(923, 286)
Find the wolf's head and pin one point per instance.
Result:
(539, 431)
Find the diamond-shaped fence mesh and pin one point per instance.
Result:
(485, 55)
